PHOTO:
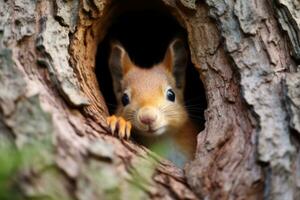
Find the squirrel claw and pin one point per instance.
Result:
(118, 125)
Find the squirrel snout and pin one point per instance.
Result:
(147, 116)
(147, 120)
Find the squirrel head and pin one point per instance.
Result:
(151, 99)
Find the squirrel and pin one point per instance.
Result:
(150, 101)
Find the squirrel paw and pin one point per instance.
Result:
(119, 125)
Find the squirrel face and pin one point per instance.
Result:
(151, 99)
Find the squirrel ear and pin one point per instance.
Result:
(175, 61)
(119, 64)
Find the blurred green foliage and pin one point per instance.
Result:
(10, 161)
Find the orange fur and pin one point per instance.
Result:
(147, 89)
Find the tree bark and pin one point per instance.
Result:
(247, 54)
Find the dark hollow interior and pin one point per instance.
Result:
(146, 34)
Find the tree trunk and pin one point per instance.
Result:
(247, 54)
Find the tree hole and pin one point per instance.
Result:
(145, 32)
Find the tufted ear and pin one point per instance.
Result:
(119, 64)
(175, 61)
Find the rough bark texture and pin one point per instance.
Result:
(260, 54)
(246, 53)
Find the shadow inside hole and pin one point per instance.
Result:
(145, 35)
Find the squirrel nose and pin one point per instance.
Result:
(147, 120)
(147, 116)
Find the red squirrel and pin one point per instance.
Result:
(150, 101)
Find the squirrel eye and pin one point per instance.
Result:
(125, 99)
(170, 95)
